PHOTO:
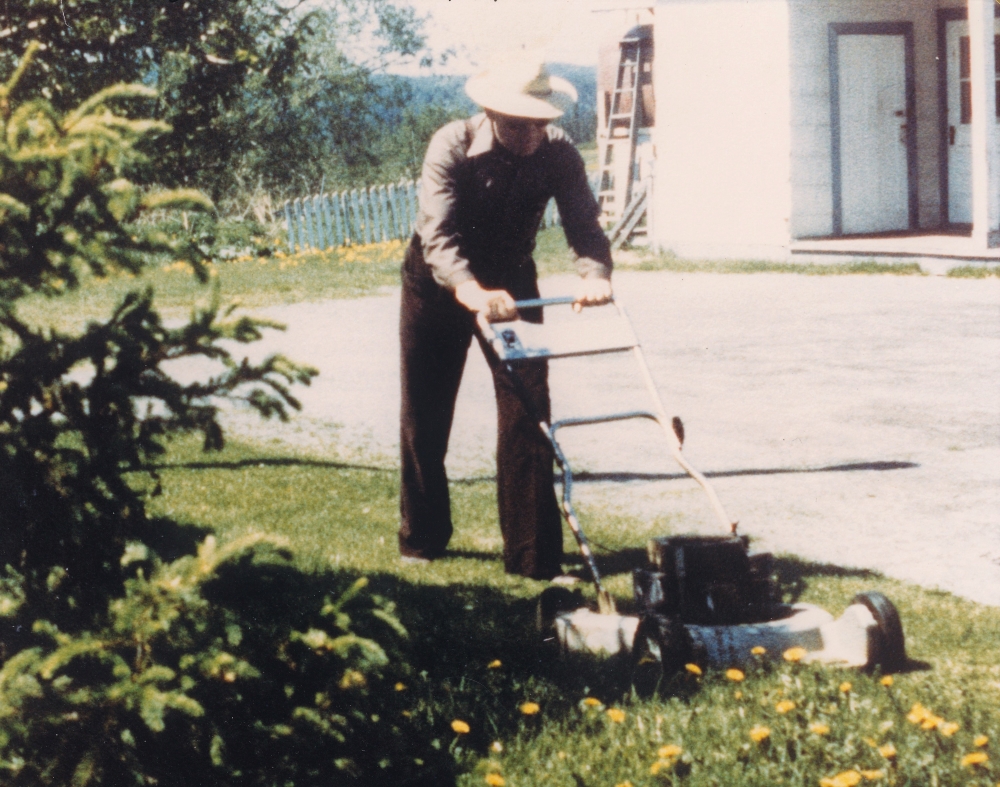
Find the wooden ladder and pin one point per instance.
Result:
(617, 159)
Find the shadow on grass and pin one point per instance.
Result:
(269, 461)
(586, 476)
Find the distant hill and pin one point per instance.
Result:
(448, 92)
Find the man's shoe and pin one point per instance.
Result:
(564, 580)
(414, 560)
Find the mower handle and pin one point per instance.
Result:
(561, 300)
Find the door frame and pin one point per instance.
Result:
(905, 29)
(944, 16)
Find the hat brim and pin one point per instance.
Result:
(488, 94)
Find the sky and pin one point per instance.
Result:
(564, 31)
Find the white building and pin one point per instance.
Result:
(796, 128)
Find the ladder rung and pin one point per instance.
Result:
(620, 115)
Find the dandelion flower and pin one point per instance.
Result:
(886, 680)
(495, 780)
(842, 779)
(794, 654)
(694, 669)
(737, 695)
(530, 708)
(624, 784)
(784, 706)
(931, 722)
(980, 740)
(591, 702)
(561, 755)
(735, 674)
(460, 726)
(758, 734)
(888, 751)
(948, 729)
(873, 775)
(845, 687)
(616, 715)
(917, 713)
(819, 729)
(975, 758)
(496, 746)
(668, 751)
(656, 767)
(495, 664)
(400, 687)
(759, 650)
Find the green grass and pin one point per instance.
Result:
(974, 272)
(477, 657)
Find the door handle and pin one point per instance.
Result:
(951, 135)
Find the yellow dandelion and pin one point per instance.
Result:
(694, 669)
(530, 708)
(616, 715)
(948, 729)
(819, 729)
(758, 734)
(496, 746)
(931, 722)
(886, 680)
(624, 784)
(735, 674)
(845, 687)
(400, 687)
(495, 780)
(980, 741)
(888, 751)
(784, 706)
(917, 713)
(591, 702)
(842, 779)
(656, 767)
(794, 654)
(737, 695)
(668, 751)
(873, 775)
(975, 758)
(561, 755)
(495, 664)
(460, 726)
(759, 650)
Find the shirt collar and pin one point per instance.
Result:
(482, 136)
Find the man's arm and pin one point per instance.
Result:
(579, 212)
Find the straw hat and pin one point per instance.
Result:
(523, 89)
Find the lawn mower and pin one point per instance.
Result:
(702, 599)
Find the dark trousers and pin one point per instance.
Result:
(435, 332)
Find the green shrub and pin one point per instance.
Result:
(193, 680)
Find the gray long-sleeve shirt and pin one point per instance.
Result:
(481, 206)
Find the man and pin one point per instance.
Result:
(484, 187)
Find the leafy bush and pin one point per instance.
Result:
(126, 658)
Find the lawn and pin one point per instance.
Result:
(483, 685)
(535, 719)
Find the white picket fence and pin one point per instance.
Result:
(362, 216)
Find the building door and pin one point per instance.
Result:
(959, 94)
(874, 133)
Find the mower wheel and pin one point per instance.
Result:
(888, 648)
(661, 648)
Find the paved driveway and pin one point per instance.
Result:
(853, 420)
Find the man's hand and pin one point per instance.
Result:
(592, 292)
(496, 305)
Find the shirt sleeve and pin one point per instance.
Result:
(436, 222)
(579, 212)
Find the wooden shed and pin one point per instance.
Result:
(805, 128)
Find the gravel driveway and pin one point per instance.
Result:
(852, 420)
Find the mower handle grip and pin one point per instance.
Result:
(534, 303)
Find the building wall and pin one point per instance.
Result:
(723, 177)
(811, 170)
